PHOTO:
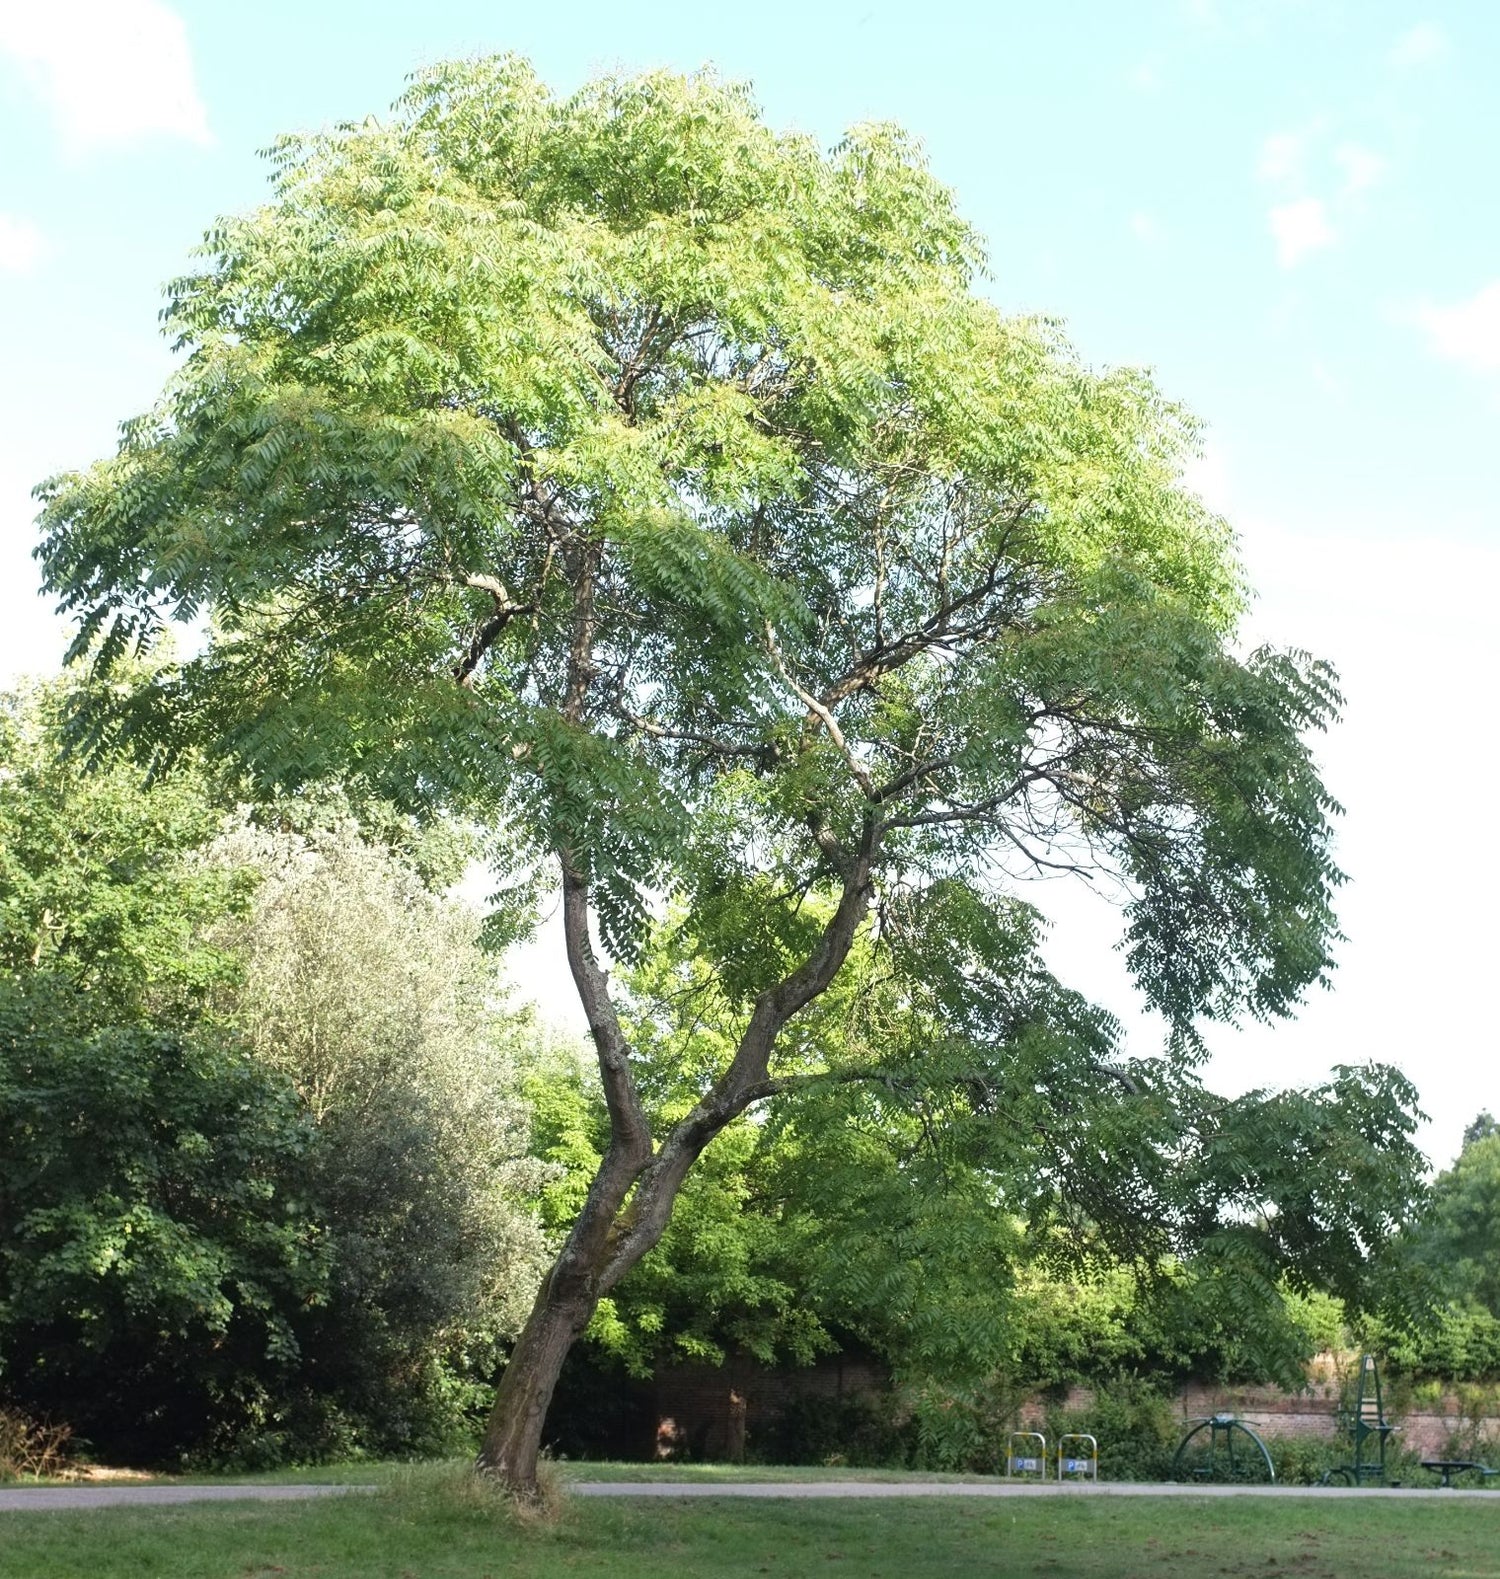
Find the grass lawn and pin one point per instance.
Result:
(430, 1525)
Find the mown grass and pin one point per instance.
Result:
(434, 1524)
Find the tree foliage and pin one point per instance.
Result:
(264, 1188)
(1453, 1250)
(1461, 1228)
(156, 1252)
(657, 486)
(636, 352)
(371, 995)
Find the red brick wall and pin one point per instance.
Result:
(706, 1411)
(697, 1409)
(1314, 1413)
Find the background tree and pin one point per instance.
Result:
(1482, 1127)
(156, 1249)
(1453, 1247)
(371, 994)
(1463, 1220)
(621, 472)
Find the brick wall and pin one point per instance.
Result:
(1424, 1431)
(706, 1411)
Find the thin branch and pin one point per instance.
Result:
(506, 609)
(783, 1085)
(903, 781)
(688, 737)
(818, 710)
(980, 811)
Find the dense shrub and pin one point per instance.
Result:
(1135, 1421)
(263, 1173)
(1458, 1342)
(156, 1246)
(1305, 1460)
(155, 1257)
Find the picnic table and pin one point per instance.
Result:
(1449, 1467)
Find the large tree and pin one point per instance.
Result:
(656, 487)
(1458, 1236)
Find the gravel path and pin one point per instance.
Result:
(59, 1498)
(63, 1498)
(988, 1488)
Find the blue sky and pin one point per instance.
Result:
(1285, 207)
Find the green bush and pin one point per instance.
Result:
(962, 1428)
(1459, 1343)
(155, 1260)
(264, 1183)
(1308, 1461)
(1135, 1422)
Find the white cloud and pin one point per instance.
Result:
(1362, 168)
(1302, 223)
(1144, 228)
(1300, 228)
(1281, 157)
(22, 245)
(1467, 332)
(112, 71)
(1425, 42)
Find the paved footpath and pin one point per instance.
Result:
(988, 1488)
(54, 1499)
(63, 1498)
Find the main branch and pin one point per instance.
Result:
(631, 1198)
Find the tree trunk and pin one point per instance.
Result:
(610, 1236)
(572, 1289)
(513, 1437)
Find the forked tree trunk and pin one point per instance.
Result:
(572, 1289)
(631, 1198)
(604, 1245)
(599, 1251)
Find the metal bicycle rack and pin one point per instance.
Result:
(1023, 1463)
(1085, 1464)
